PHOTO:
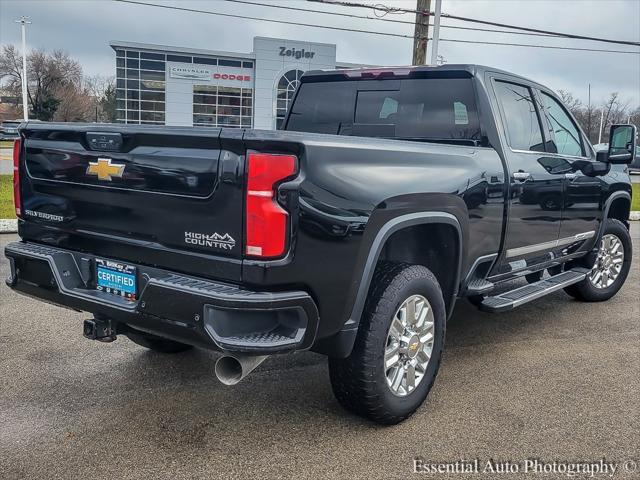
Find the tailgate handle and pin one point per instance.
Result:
(104, 141)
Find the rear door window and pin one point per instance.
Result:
(520, 117)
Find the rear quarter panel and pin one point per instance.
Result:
(349, 187)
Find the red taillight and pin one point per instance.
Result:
(16, 177)
(267, 221)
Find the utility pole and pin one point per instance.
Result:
(436, 33)
(421, 32)
(25, 103)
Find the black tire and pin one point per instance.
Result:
(585, 291)
(157, 344)
(359, 381)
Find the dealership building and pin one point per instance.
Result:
(163, 85)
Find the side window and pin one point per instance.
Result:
(521, 119)
(564, 136)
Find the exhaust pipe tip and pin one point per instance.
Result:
(231, 369)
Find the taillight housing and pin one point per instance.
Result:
(17, 201)
(267, 223)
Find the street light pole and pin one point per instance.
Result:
(436, 33)
(601, 121)
(25, 105)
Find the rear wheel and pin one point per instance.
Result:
(398, 349)
(157, 344)
(611, 266)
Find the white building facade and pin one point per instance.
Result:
(162, 85)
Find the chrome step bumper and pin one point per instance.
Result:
(187, 309)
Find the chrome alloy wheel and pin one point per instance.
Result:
(608, 262)
(409, 345)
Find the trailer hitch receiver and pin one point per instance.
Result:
(98, 329)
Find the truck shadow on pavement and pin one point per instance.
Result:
(291, 388)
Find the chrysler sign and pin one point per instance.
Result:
(201, 73)
(190, 73)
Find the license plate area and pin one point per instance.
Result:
(116, 278)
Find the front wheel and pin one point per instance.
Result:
(397, 352)
(611, 267)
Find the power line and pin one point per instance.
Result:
(371, 32)
(536, 46)
(387, 9)
(246, 17)
(381, 19)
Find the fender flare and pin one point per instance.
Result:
(605, 211)
(388, 229)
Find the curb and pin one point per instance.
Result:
(8, 226)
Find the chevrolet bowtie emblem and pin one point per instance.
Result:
(105, 170)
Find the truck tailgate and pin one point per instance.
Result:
(150, 195)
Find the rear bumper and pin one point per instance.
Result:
(186, 309)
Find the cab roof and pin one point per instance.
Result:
(409, 71)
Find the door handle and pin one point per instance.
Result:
(570, 176)
(521, 176)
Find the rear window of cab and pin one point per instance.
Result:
(413, 109)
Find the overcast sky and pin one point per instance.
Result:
(84, 28)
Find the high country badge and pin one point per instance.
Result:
(214, 240)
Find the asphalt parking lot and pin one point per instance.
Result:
(555, 380)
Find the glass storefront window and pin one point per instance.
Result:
(287, 86)
(140, 78)
(215, 106)
(141, 86)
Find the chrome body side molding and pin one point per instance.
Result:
(517, 252)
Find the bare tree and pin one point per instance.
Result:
(634, 117)
(608, 107)
(613, 110)
(102, 91)
(11, 69)
(573, 104)
(46, 74)
(75, 104)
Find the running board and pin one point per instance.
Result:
(514, 298)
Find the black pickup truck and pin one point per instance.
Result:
(390, 194)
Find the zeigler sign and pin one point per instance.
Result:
(296, 53)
